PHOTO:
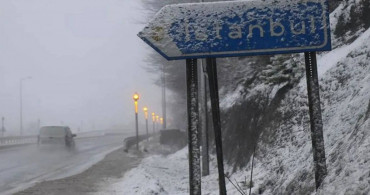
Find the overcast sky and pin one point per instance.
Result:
(84, 58)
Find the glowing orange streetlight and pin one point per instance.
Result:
(153, 116)
(161, 119)
(145, 109)
(157, 120)
(153, 119)
(136, 98)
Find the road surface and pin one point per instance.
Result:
(22, 166)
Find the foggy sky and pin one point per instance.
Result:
(84, 58)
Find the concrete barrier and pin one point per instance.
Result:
(173, 137)
(130, 141)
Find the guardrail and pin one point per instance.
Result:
(89, 134)
(16, 140)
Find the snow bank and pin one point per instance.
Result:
(155, 175)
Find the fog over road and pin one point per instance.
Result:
(22, 166)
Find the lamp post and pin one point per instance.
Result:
(136, 98)
(161, 120)
(157, 119)
(2, 126)
(146, 122)
(153, 119)
(38, 124)
(21, 103)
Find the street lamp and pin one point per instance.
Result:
(146, 121)
(153, 119)
(161, 119)
(2, 126)
(157, 120)
(21, 103)
(136, 98)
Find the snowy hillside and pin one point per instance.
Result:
(286, 165)
(284, 162)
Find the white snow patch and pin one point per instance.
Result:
(230, 98)
(330, 59)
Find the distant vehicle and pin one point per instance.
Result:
(56, 135)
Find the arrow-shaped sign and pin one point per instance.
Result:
(237, 28)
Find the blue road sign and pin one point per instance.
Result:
(239, 28)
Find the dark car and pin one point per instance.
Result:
(56, 135)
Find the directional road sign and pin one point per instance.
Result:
(239, 28)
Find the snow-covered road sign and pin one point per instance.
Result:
(238, 28)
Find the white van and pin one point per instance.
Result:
(56, 135)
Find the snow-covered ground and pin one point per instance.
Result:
(161, 174)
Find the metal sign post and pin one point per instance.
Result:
(317, 137)
(193, 126)
(205, 136)
(213, 88)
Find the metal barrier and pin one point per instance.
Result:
(15, 140)
(18, 140)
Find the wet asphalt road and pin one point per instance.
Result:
(22, 166)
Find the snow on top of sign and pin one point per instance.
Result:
(205, 11)
(227, 5)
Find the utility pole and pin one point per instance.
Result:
(21, 103)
